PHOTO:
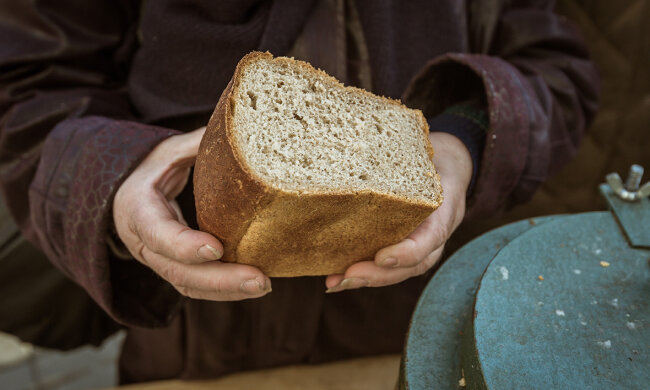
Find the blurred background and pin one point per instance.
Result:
(46, 320)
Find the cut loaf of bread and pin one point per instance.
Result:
(300, 175)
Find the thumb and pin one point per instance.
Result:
(178, 150)
(192, 140)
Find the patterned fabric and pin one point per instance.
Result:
(72, 199)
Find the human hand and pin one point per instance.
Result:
(150, 223)
(420, 250)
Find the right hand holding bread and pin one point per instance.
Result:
(421, 250)
(149, 222)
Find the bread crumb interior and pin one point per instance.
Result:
(300, 131)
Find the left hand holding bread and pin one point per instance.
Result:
(150, 223)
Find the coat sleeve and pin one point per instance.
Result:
(68, 138)
(532, 71)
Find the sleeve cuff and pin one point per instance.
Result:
(515, 118)
(468, 123)
(82, 165)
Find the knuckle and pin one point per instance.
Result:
(383, 280)
(174, 275)
(185, 291)
(426, 264)
(180, 250)
(218, 285)
(132, 227)
(442, 233)
(172, 251)
(420, 268)
(411, 260)
(147, 235)
(411, 257)
(138, 252)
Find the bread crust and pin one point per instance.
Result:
(291, 233)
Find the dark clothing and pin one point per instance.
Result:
(469, 123)
(88, 88)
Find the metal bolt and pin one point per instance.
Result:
(634, 177)
(631, 191)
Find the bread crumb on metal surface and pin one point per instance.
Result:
(504, 273)
(560, 313)
(604, 264)
(607, 344)
(540, 277)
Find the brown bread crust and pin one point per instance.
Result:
(290, 233)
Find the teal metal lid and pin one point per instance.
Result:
(432, 353)
(564, 305)
(554, 302)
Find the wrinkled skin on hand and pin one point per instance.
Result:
(422, 249)
(149, 222)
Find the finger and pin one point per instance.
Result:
(183, 146)
(214, 280)
(178, 150)
(430, 235)
(173, 180)
(333, 280)
(369, 274)
(177, 210)
(156, 225)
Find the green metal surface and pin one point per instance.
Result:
(634, 217)
(586, 325)
(431, 356)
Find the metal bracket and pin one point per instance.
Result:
(630, 205)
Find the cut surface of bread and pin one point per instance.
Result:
(301, 130)
(300, 175)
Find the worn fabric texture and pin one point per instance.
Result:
(618, 38)
(87, 89)
(36, 314)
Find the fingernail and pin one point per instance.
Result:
(206, 252)
(352, 283)
(253, 286)
(334, 289)
(389, 262)
(349, 284)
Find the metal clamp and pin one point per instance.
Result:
(631, 191)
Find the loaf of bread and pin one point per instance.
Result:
(299, 175)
